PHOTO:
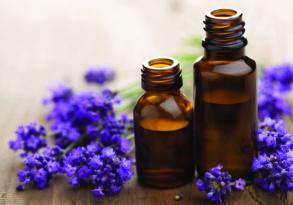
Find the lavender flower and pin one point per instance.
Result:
(274, 171)
(100, 167)
(239, 184)
(40, 168)
(218, 184)
(274, 165)
(272, 137)
(89, 119)
(271, 102)
(99, 75)
(280, 76)
(58, 93)
(88, 114)
(29, 139)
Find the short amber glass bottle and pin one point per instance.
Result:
(163, 127)
(225, 97)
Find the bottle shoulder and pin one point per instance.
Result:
(242, 66)
(163, 105)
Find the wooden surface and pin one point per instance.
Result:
(42, 42)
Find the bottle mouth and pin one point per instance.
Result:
(224, 14)
(161, 73)
(161, 63)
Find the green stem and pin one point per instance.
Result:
(124, 107)
(74, 144)
(49, 135)
(125, 89)
(128, 91)
(130, 137)
(70, 147)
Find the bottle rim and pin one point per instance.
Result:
(224, 14)
(168, 61)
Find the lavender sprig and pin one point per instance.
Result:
(274, 171)
(274, 165)
(99, 75)
(271, 102)
(99, 167)
(280, 76)
(86, 113)
(218, 184)
(273, 137)
(29, 138)
(40, 168)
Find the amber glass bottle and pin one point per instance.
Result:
(163, 127)
(225, 97)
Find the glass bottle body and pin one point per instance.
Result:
(163, 139)
(225, 113)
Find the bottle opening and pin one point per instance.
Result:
(224, 14)
(161, 73)
(162, 63)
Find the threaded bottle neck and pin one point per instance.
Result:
(224, 31)
(161, 74)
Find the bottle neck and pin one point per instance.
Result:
(224, 35)
(168, 92)
(161, 74)
(225, 54)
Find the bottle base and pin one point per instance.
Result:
(165, 181)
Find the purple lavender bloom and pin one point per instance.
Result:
(274, 171)
(29, 139)
(216, 183)
(281, 76)
(99, 75)
(100, 167)
(40, 168)
(272, 137)
(271, 102)
(124, 145)
(239, 184)
(98, 192)
(85, 114)
(91, 115)
(58, 93)
(66, 130)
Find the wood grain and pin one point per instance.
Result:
(55, 40)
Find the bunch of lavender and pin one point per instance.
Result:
(273, 165)
(99, 75)
(92, 141)
(218, 184)
(102, 168)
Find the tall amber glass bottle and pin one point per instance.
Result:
(225, 97)
(163, 127)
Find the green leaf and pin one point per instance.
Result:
(187, 58)
(195, 41)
